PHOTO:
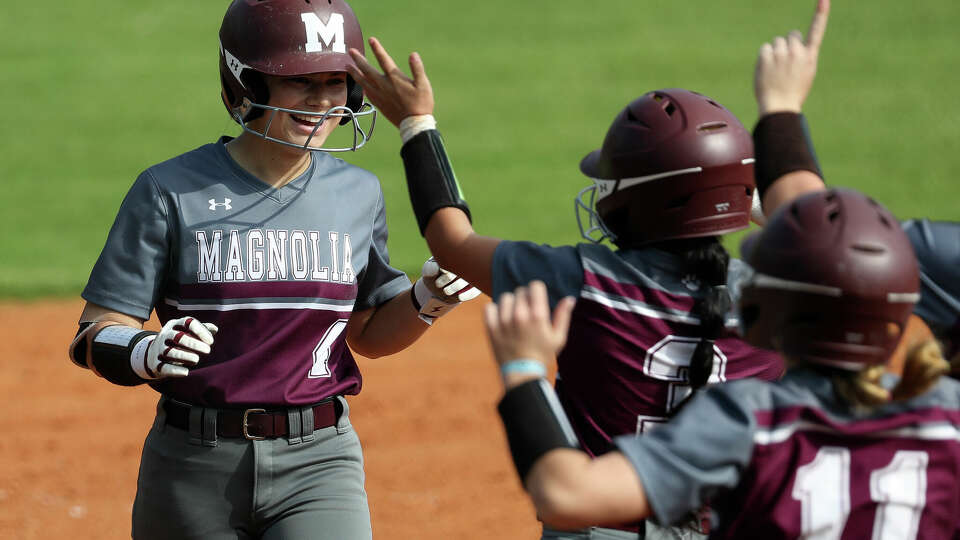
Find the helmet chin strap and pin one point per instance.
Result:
(360, 137)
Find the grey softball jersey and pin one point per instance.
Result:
(278, 270)
(789, 459)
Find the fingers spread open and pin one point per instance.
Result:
(417, 70)
(506, 308)
(383, 57)
(521, 308)
(363, 66)
(539, 304)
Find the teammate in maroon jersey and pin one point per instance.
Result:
(653, 319)
(837, 449)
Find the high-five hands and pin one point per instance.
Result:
(394, 94)
(787, 66)
(438, 291)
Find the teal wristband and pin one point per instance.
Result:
(527, 366)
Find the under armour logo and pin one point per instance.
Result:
(225, 204)
(722, 207)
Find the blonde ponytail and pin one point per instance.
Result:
(922, 367)
(925, 364)
(862, 389)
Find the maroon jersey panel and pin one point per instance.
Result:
(625, 366)
(286, 344)
(790, 460)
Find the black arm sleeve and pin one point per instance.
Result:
(430, 178)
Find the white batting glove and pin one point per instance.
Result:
(173, 351)
(438, 291)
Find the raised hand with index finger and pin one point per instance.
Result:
(787, 65)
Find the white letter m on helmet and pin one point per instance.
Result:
(319, 34)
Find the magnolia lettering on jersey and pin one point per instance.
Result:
(273, 255)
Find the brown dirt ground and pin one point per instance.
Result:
(436, 458)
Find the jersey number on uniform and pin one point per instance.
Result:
(669, 360)
(321, 354)
(899, 489)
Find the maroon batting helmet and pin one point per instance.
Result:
(287, 38)
(835, 281)
(674, 164)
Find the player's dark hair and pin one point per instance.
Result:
(705, 262)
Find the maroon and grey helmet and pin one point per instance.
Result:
(835, 281)
(674, 164)
(287, 38)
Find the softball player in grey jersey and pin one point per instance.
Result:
(280, 250)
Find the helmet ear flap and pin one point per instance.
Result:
(257, 86)
(354, 98)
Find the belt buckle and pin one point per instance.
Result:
(244, 426)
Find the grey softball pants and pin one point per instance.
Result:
(295, 487)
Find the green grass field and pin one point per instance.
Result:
(96, 92)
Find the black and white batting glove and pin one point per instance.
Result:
(173, 351)
(438, 291)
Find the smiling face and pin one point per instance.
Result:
(313, 94)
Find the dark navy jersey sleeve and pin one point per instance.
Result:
(379, 282)
(702, 450)
(129, 274)
(937, 245)
(519, 263)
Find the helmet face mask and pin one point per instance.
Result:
(591, 226)
(288, 38)
(674, 164)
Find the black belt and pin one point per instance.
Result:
(254, 424)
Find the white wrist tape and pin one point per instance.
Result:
(412, 126)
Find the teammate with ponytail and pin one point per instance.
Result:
(653, 319)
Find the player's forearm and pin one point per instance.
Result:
(387, 329)
(788, 187)
(457, 247)
(571, 491)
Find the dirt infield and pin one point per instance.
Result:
(436, 459)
